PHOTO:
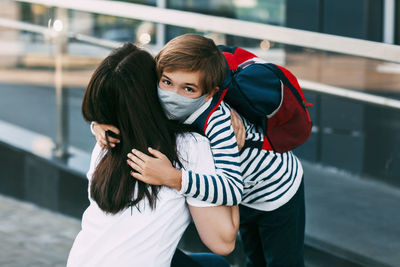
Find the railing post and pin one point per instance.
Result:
(389, 9)
(61, 42)
(160, 26)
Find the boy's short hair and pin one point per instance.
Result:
(191, 53)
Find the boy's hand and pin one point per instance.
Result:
(238, 129)
(100, 134)
(155, 171)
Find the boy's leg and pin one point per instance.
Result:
(209, 260)
(181, 259)
(250, 236)
(282, 233)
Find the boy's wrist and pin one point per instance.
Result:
(92, 124)
(175, 179)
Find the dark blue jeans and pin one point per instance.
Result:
(180, 259)
(274, 238)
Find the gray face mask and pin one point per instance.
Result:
(178, 107)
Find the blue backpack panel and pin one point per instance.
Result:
(267, 95)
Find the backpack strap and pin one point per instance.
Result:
(227, 49)
(202, 121)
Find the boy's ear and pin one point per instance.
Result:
(212, 93)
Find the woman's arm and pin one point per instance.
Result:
(217, 227)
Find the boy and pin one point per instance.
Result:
(190, 68)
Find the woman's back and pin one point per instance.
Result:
(146, 237)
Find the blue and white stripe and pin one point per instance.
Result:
(260, 179)
(270, 178)
(226, 186)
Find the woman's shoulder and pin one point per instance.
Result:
(191, 139)
(190, 143)
(195, 153)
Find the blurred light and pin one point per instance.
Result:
(245, 3)
(144, 38)
(265, 45)
(58, 25)
(42, 145)
(391, 68)
(144, 32)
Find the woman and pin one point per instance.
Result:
(129, 223)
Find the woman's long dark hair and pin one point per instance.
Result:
(122, 92)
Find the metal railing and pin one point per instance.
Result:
(325, 42)
(320, 41)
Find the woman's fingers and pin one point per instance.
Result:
(235, 117)
(235, 121)
(238, 128)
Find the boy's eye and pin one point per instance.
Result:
(166, 82)
(189, 89)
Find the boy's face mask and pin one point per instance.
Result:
(178, 107)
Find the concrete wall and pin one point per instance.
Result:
(42, 181)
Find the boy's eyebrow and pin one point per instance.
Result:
(166, 76)
(192, 84)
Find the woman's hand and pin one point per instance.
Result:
(157, 170)
(100, 134)
(238, 129)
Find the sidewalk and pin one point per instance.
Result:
(347, 216)
(32, 236)
(352, 217)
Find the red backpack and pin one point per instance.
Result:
(269, 96)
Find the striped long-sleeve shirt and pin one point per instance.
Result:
(226, 186)
(270, 179)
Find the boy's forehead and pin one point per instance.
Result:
(182, 76)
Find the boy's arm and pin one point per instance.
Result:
(224, 187)
(99, 131)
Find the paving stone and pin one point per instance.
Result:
(33, 236)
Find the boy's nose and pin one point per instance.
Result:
(175, 89)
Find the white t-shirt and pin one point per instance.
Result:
(146, 238)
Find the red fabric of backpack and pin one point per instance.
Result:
(267, 95)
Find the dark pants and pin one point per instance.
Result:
(180, 259)
(274, 238)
